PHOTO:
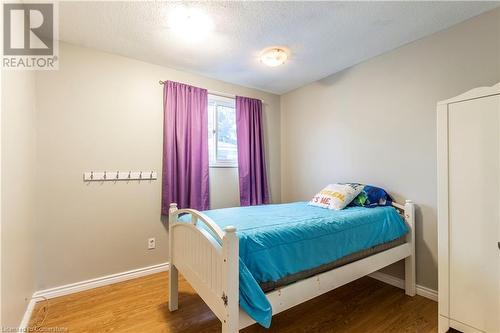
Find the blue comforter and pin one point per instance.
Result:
(279, 240)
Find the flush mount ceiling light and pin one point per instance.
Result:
(274, 56)
(190, 24)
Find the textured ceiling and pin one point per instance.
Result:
(323, 37)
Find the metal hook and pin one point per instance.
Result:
(151, 175)
(91, 175)
(129, 174)
(104, 175)
(140, 175)
(118, 175)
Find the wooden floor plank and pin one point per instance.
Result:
(140, 305)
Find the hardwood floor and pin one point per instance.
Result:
(140, 305)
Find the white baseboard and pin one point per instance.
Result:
(23, 326)
(427, 293)
(400, 283)
(98, 282)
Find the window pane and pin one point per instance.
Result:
(226, 133)
(211, 130)
(222, 131)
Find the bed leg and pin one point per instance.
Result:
(230, 281)
(173, 288)
(410, 264)
(410, 283)
(230, 327)
(173, 275)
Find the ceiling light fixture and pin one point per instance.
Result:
(274, 56)
(190, 24)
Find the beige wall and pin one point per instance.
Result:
(104, 112)
(376, 123)
(224, 187)
(18, 194)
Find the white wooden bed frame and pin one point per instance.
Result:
(211, 267)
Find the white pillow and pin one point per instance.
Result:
(336, 196)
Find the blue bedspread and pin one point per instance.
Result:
(279, 240)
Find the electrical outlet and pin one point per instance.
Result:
(151, 243)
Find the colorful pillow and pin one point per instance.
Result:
(336, 196)
(372, 196)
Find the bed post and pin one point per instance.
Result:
(230, 280)
(173, 283)
(410, 270)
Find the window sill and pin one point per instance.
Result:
(216, 166)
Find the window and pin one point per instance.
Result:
(222, 131)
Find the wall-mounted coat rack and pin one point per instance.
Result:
(118, 175)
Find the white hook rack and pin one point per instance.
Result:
(119, 175)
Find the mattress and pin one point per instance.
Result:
(271, 285)
(286, 242)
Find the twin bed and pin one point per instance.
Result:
(249, 263)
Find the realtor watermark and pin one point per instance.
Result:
(30, 36)
(34, 329)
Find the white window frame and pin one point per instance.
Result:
(212, 141)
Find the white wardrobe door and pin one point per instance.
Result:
(474, 212)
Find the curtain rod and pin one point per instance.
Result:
(218, 93)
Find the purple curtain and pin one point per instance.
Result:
(185, 147)
(251, 163)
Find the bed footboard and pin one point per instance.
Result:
(208, 258)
